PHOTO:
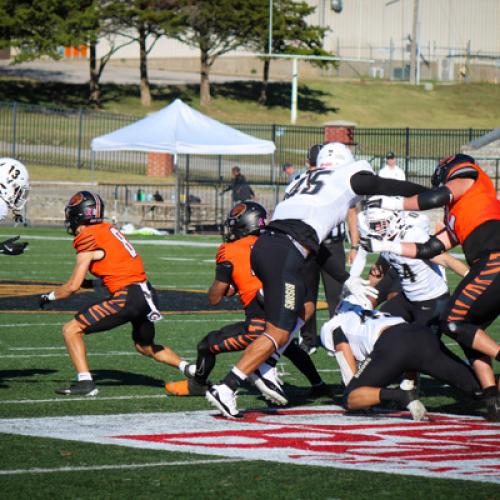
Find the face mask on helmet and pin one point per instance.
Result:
(14, 183)
(244, 219)
(84, 208)
(383, 223)
(334, 154)
(446, 164)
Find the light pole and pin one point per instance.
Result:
(270, 29)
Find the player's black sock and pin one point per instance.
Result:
(398, 395)
(232, 380)
(303, 362)
(490, 392)
(205, 363)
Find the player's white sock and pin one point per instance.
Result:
(84, 376)
(238, 373)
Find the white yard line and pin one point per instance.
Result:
(196, 244)
(62, 348)
(65, 399)
(169, 319)
(91, 354)
(56, 470)
(15, 325)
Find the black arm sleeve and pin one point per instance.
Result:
(366, 183)
(433, 198)
(432, 247)
(338, 337)
(224, 271)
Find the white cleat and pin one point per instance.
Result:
(224, 399)
(269, 387)
(417, 410)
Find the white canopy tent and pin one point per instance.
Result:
(180, 129)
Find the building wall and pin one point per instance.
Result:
(449, 30)
(366, 27)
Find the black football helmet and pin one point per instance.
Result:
(243, 219)
(446, 164)
(312, 154)
(84, 208)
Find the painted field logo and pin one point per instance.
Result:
(448, 446)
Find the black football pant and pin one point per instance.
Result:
(409, 347)
(236, 337)
(330, 265)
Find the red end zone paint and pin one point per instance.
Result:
(447, 446)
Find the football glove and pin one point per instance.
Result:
(387, 202)
(10, 247)
(376, 245)
(361, 289)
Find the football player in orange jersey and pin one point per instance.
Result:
(103, 250)
(233, 274)
(472, 219)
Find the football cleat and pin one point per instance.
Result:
(417, 410)
(415, 406)
(269, 387)
(493, 408)
(224, 399)
(80, 388)
(188, 387)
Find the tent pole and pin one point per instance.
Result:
(92, 166)
(275, 183)
(177, 228)
(186, 201)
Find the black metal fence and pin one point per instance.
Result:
(62, 137)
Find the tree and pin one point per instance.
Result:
(217, 27)
(35, 27)
(291, 35)
(144, 22)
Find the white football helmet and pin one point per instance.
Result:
(334, 154)
(14, 183)
(383, 223)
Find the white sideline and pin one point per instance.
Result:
(117, 467)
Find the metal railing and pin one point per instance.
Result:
(62, 137)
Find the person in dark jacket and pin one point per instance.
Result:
(241, 190)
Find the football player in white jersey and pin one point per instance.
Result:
(424, 291)
(318, 201)
(14, 189)
(373, 349)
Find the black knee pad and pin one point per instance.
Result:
(460, 331)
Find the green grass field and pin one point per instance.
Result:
(34, 363)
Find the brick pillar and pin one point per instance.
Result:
(160, 164)
(340, 131)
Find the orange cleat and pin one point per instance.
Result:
(186, 387)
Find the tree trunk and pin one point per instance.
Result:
(265, 83)
(205, 97)
(143, 68)
(95, 89)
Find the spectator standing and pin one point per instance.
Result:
(290, 171)
(391, 170)
(241, 190)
